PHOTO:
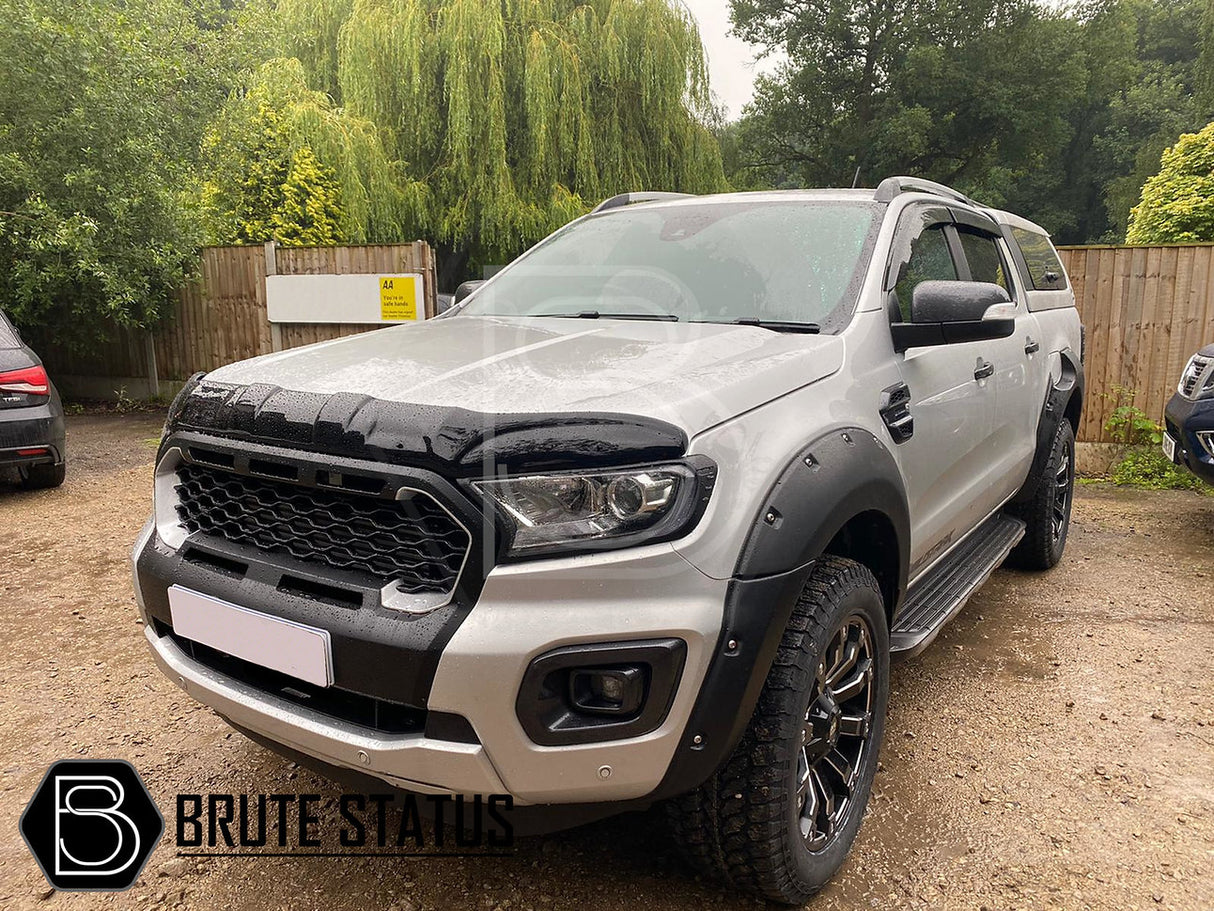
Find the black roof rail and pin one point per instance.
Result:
(627, 199)
(894, 186)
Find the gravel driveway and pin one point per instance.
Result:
(1054, 748)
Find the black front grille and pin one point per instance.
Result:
(412, 541)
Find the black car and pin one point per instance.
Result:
(31, 414)
(1189, 419)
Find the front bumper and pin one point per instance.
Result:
(523, 611)
(29, 428)
(1191, 424)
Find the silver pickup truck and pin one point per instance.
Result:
(643, 518)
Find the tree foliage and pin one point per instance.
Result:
(960, 91)
(498, 121)
(276, 121)
(284, 193)
(101, 112)
(1059, 112)
(1178, 203)
(1142, 57)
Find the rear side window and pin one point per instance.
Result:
(929, 260)
(982, 254)
(1045, 269)
(8, 338)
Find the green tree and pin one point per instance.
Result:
(283, 193)
(1156, 99)
(504, 119)
(1178, 203)
(1057, 112)
(969, 92)
(102, 109)
(247, 150)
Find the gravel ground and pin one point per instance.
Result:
(1054, 748)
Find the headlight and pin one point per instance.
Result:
(602, 509)
(1197, 381)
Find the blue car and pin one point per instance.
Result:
(1189, 419)
(31, 415)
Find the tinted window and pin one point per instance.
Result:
(780, 261)
(982, 254)
(1045, 269)
(8, 338)
(930, 260)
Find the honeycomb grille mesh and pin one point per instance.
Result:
(413, 542)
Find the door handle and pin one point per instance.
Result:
(895, 412)
(1031, 346)
(984, 370)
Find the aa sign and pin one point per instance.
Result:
(362, 298)
(398, 297)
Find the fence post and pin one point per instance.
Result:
(149, 347)
(272, 269)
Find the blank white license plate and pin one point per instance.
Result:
(281, 645)
(1169, 446)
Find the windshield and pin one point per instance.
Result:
(795, 262)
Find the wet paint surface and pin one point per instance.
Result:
(693, 375)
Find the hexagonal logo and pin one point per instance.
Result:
(91, 825)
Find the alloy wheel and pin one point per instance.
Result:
(1062, 495)
(835, 735)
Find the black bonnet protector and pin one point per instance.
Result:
(454, 442)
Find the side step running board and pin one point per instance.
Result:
(939, 595)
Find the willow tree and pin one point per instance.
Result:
(504, 119)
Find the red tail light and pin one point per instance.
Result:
(30, 380)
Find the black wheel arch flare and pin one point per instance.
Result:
(1063, 402)
(841, 476)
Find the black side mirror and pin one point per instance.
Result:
(466, 289)
(945, 313)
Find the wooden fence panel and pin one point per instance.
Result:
(1146, 310)
(221, 317)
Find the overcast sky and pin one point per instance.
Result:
(730, 60)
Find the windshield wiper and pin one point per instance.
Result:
(595, 314)
(775, 325)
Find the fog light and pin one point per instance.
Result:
(1206, 437)
(607, 691)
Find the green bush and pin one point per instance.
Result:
(1149, 468)
(1142, 462)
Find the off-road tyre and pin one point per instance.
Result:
(1046, 510)
(40, 477)
(744, 824)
